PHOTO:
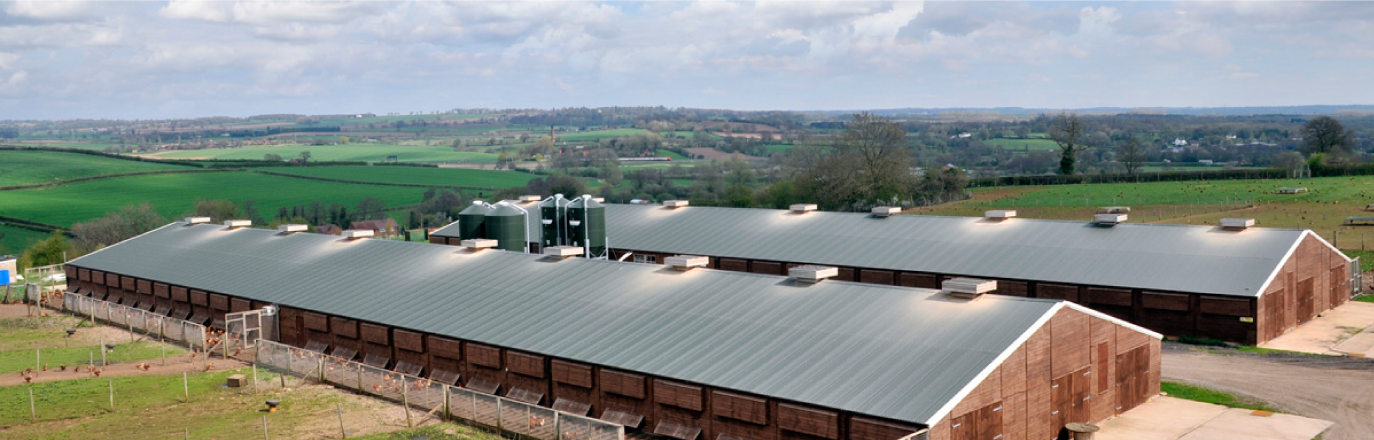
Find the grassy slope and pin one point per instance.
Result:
(417, 175)
(599, 134)
(174, 194)
(14, 240)
(350, 152)
(30, 167)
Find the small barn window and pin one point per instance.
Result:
(646, 258)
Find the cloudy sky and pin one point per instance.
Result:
(190, 58)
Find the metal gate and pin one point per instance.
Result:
(1356, 278)
(243, 329)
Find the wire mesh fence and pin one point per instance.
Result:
(435, 399)
(164, 328)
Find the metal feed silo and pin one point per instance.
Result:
(552, 224)
(471, 221)
(587, 225)
(506, 224)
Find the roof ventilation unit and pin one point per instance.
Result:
(354, 234)
(968, 287)
(999, 214)
(287, 229)
(563, 252)
(811, 274)
(1237, 224)
(235, 224)
(802, 208)
(477, 244)
(529, 198)
(1114, 210)
(686, 262)
(886, 211)
(599, 199)
(1109, 219)
(197, 220)
(674, 203)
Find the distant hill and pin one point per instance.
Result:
(1224, 111)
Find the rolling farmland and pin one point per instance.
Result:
(416, 175)
(27, 167)
(13, 239)
(348, 152)
(1031, 144)
(174, 194)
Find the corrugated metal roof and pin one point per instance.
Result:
(1183, 258)
(890, 352)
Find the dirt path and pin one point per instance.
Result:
(174, 365)
(1339, 389)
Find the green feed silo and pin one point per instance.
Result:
(552, 224)
(587, 225)
(505, 223)
(471, 221)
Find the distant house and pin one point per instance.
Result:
(380, 228)
(1179, 142)
(328, 229)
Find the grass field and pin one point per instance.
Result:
(30, 167)
(672, 154)
(417, 175)
(175, 194)
(14, 240)
(778, 148)
(14, 361)
(1184, 391)
(80, 145)
(1323, 209)
(349, 152)
(1023, 144)
(586, 136)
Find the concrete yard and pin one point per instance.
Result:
(1347, 330)
(1169, 418)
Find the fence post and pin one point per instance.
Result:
(339, 410)
(320, 365)
(33, 412)
(446, 402)
(405, 401)
(264, 427)
(186, 387)
(112, 395)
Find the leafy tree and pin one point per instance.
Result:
(219, 210)
(272, 156)
(1067, 131)
(1326, 135)
(1131, 155)
(116, 226)
(370, 208)
(52, 250)
(870, 164)
(305, 156)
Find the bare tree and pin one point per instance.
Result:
(1067, 131)
(1326, 135)
(1131, 155)
(869, 163)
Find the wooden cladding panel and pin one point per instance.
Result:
(376, 334)
(1164, 301)
(987, 392)
(624, 384)
(811, 421)
(524, 363)
(734, 265)
(1225, 306)
(200, 298)
(409, 341)
(437, 239)
(146, 287)
(863, 428)
(128, 283)
(71, 273)
(739, 407)
(483, 355)
(876, 276)
(1056, 291)
(1111, 297)
(315, 321)
(345, 327)
(445, 348)
(923, 280)
(846, 274)
(180, 294)
(1013, 288)
(219, 302)
(112, 280)
(1014, 372)
(83, 274)
(1070, 332)
(677, 394)
(572, 373)
(98, 277)
(766, 267)
(240, 305)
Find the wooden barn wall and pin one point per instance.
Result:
(481, 361)
(1303, 288)
(343, 333)
(376, 340)
(575, 382)
(1016, 401)
(410, 348)
(527, 371)
(445, 354)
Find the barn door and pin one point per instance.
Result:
(243, 329)
(982, 424)
(1306, 298)
(1071, 397)
(1132, 378)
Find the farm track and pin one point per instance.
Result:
(1339, 389)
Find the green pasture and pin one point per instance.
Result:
(587, 136)
(174, 195)
(416, 175)
(347, 152)
(14, 361)
(14, 240)
(25, 167)
(1024, 144)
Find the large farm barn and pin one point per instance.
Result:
(1246, 285)
(688, 354)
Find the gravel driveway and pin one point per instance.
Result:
(1339, 389)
